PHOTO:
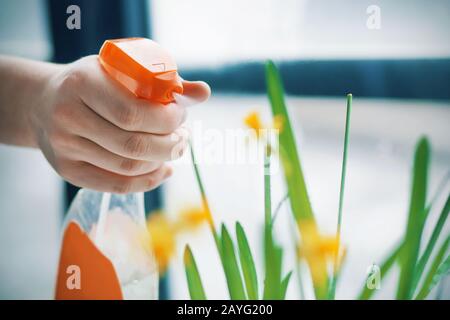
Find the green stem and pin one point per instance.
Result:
(278, 208)
(267, 200)
(205, 202)
(341, 198)
(298, 269)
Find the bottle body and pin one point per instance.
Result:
(116, 226)
(105, 231)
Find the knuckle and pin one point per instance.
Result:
(130, 166)
(62, 168)
(136, 145)
(72, 79)
(128, 118)
(171, 119)
(63, 144)
(153, 182)
(56, 139)
(63, 113)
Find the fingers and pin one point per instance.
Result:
(89, 176)
(147, 146)
(119, 106)
(131, 145)
(100, 136)
(87, 151)
(116, 104)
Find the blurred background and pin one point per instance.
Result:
(398, 70)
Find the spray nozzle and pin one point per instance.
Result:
(143, 67)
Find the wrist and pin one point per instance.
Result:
(43, 89)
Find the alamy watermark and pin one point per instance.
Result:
(73, 281)
(230, 146)
(373, 281)
(73, 21)
(374, 17)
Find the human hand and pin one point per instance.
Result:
(97, 134)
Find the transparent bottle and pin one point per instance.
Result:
(116, 225)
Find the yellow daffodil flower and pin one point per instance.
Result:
(192, 217)
(162, 236)
(253, 121)
(163, 232)
(316, 248)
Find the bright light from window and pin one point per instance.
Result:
(215, 32)
(24, 29)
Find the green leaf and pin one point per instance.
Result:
(205, 202)
(231, 267)
(442, 271)
(284, 285)
(416, 220)
(432, 242)
(247, 263)
(437, 270)
(193, 277)
(290, 160)
(367, 293)
(298, 194)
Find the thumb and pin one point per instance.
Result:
(194, 92)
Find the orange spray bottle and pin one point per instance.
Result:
(105, 252)
(143, 67)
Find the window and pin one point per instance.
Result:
(24, 30)
(323, 47)
(203, 32)
(324, 50)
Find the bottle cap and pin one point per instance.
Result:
(143, 67)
